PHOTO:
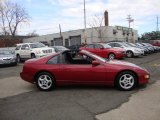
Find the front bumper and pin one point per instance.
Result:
(8, 62)
(138, 53)
(144, 79)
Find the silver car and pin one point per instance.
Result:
(7, 57)
(130, 51)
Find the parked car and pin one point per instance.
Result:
(141, 45)
(7, 57)
(130, 51)
(149, 47)
(156, 48)
(105, 50)
(32, 50)
(142, 48)
(61, 69)
(59, 48)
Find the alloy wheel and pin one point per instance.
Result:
(45, 82)
(126, 81)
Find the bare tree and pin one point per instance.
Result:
(12, 15)
(97, 25)
(33, 34)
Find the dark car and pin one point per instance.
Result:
(61, 69)
(59, 48)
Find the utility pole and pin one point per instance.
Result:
(129, 19)
(61, 37)
(85, 22)
(157, 29)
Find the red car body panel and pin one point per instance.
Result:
(104, 52)
(103, 74)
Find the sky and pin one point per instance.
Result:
(46, 15)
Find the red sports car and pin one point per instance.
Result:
(89, 69)
(105, 51)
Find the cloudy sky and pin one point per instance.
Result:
(46, 15)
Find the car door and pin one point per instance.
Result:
(100, 50)
(25, 51)
(82, 73)
(90, 48)
(22, 51)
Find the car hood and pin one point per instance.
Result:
(43, 48)
(7, 56)
(123, 63)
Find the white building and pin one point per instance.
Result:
(96, 34)
(99, 34)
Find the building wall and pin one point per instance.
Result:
(108, 33)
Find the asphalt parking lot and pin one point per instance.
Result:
(22, 101)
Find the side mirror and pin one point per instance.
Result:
(95, 63)
(102, 48)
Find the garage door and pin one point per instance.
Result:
(57, 42)
(75, 40)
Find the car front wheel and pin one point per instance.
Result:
(129, 54)
(45, 81)
(111, 56)
(126, 81)
(33, 55)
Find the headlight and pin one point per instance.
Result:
(146, 76)
(136, 50)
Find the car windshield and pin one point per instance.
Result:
(5, 52)
(139, 44)
(37, 45)
(95, 56)
(124, 44)
(107, 46)
(131, 44)
(60, 47)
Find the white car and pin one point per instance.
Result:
(130, 51)
(32, 50)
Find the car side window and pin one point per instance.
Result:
(98, 46)
(117, 45)
(27, 47)
(90, 46)
(23, 47)
(53, 60)
(111, 44)
(18, 47)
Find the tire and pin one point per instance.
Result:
(45, 81)
(129, 54)
(33, 55)
(111, 56)
(126, 81)
(18, 59)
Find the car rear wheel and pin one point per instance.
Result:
(18, 59)
(129, 54)
(126, 81)
(111, 56)
(33, 55)
(45, 81)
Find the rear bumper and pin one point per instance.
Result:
(27, 77)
